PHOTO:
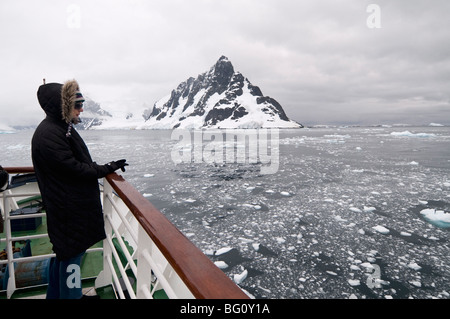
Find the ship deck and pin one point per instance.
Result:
(144, 256)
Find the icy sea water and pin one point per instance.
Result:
(340, 219)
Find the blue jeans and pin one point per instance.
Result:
(65, 278)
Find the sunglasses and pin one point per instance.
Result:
(78, 105)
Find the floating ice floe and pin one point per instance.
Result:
(368, 209)
(355, 267)
(405, 234)
(381, 229)
(438, 218)
(149, 175)
(205, 223)
(338, 136)
(367, 265)
(238, 279)
(414, 266)
(222, 251)
(354, 282)
(245, 240)
(355, 210)
(332, 273)
(221, 264)
(409, 134)
(254, 206)
(339, 219)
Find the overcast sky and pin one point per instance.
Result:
(324, 61)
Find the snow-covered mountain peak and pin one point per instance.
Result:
(218, 98)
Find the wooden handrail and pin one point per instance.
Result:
(204, 279)
(16, 170)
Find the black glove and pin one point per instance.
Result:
(118, 164)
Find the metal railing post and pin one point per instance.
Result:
(11, 285)
(144, 272)
(105, 276)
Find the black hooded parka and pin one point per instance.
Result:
(67, 176)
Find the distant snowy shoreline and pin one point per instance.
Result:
(138, 125)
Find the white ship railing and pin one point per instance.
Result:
(154, 273)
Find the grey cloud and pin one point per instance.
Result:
(317, 58)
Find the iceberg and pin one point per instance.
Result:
(5, 129)
(435, 217)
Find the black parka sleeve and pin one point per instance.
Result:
(70, 157)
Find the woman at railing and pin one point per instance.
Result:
(68, 181)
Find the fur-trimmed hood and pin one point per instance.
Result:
(70, 93)
(58, 100)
